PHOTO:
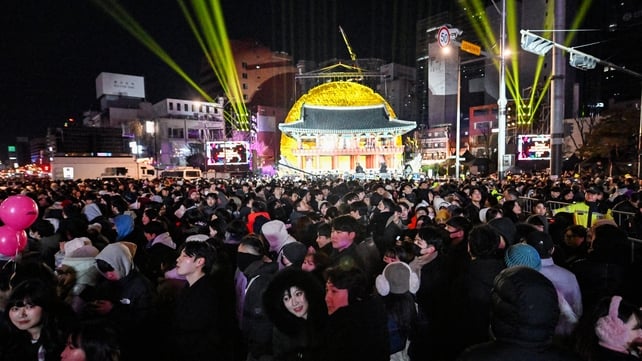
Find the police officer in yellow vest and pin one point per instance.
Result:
(587, 212)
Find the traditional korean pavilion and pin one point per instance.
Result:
(339, 124)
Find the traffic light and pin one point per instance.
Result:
(535, 44)
(582, 61)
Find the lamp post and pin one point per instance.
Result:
(501, 101)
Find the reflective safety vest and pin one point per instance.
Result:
(581, 212)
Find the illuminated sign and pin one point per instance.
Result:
(230, 153)
(470, 47)
(534, 147)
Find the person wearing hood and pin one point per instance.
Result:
(77, 275)
(524, 313)
(124, 298)
(294, 302)
(276, 234)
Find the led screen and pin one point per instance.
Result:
(232, 152)
(534, 147)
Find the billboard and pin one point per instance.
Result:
(120, 85)
(534, 147)
(227, 153)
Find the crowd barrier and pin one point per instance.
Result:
(619, 217)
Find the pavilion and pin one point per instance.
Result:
(339, 124)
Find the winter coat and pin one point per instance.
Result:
(196, 334)
(132, 297)
(296, 338)
(358, 331)
(471, 303)
(524, 315)
(256, 328)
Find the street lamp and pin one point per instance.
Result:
(502, 101)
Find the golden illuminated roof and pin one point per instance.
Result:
(339, 93)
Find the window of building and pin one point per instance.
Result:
(193, 133)
(244, 75)
(170, 106)
(175, 133)
(244, 65)
(185, 108)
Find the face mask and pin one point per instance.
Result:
(244, 260)
(416, 250)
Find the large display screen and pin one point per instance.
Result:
(534, 147)
(231, 152)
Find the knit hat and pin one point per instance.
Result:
(397, 278)
(295, 253)
(522, 254)
(506, 229)
(276, 234)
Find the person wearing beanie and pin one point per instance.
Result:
(523, 317)
(564, 281)
(397, 284)
(522, 254)
(507, 230)
(294, 254)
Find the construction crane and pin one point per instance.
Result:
(353, 56)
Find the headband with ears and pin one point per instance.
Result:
(402, 282)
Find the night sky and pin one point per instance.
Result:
(52, 51)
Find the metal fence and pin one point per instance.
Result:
(619, 217)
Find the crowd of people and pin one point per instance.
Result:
(528, 267)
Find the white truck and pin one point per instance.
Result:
(98, 167)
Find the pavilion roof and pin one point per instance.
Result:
(346, 119)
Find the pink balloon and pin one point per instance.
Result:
(9, 243)
(22, 239)
(18, 212)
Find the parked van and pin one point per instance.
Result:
(187, 173)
